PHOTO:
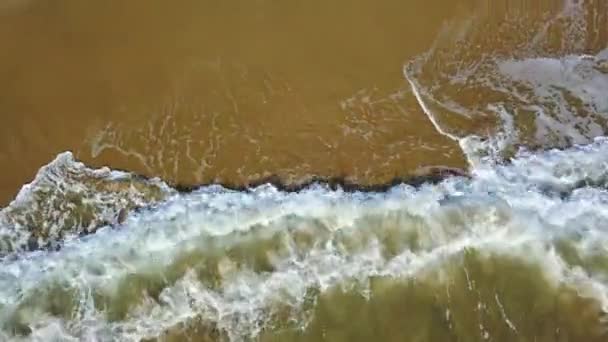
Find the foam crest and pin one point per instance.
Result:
(67, 199)
(238, 260)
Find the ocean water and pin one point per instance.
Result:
(514, 248)
(516, 251)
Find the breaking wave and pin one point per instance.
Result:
(515, 250)
(245, 262)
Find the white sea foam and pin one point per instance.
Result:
(544, 92)
(66, 199)
(197, 245)
(518, 210)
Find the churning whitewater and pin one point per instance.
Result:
(259, 263)
(516, 251)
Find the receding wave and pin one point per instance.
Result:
(543, 87)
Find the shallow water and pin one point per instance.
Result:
(513, 249)
(229, 91)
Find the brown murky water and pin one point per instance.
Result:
(230, 91)
(367, 91)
